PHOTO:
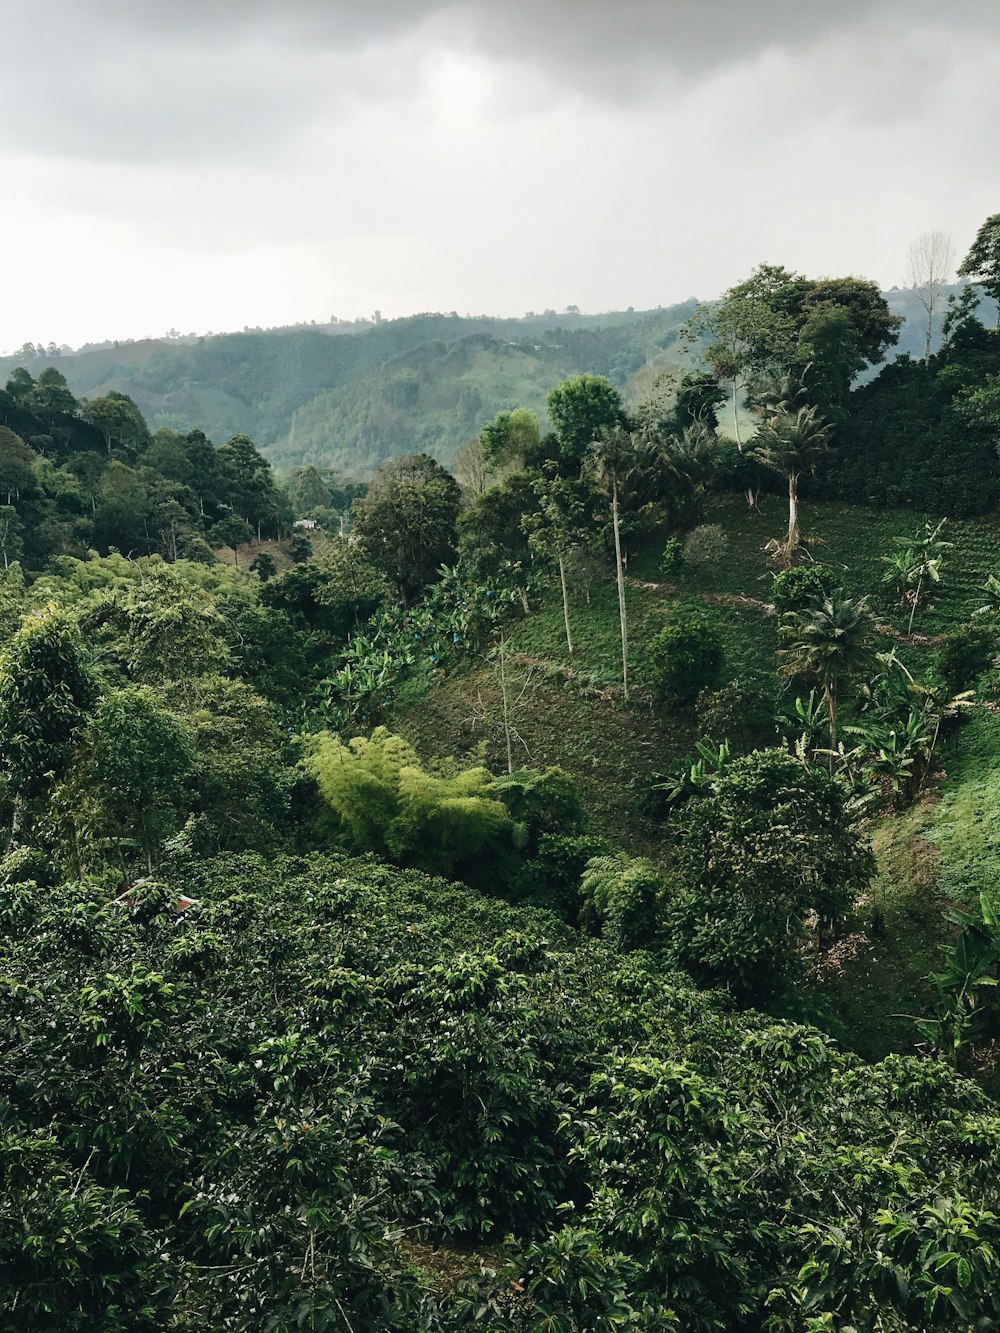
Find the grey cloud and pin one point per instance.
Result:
(226, 81)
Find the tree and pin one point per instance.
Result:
(751, 329)
(16, 467)
(982, 263)
(471, 468)
(828, 644)
(249, 483)
(233, 532)
(778, 323)
(765, 844)
(127, 784)
(509, 440)
(406, 521)
(556, 528)
(611, 458)
(580, 409)
(264, 566)
(46, 693)
(11, 532)
(930, 262)
(916, 562)
(120, 422)
(792, 442)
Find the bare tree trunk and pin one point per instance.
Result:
(736, 420)
(793, 515)
(16, 822)
(621, 587)
(830, 699)
(505, 700)
(565, 597)
(523, 594)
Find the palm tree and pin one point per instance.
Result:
(792, 442)
(829, 644)
(611, 459)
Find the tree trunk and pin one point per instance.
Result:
(16, 822)
(736, 420)
(506, 704)
(621, 586)
(523, 594)
(914, 604)
(830, 699)
(565, 597)
(793, 515)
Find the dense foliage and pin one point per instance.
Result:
(333, 998)
(259, 1110)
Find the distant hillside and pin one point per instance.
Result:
(352, 395)
(353, 399)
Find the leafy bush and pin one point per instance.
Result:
(803, 586)
(685, 658)
(740, 713)
(672, 559)
(383, 801)
(622, 894)
(759, 847)
(965, 654)
(542, 804)
(705, 546)
(228, 1117)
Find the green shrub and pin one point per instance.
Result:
(965, 654)
(672, 559)
(622, 895)
(741, 713)
(705, 546)
(802, 587)
(685, 658)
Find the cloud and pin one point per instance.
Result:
(224, 80)
(206, 164)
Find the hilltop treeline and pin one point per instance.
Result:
(87, 475)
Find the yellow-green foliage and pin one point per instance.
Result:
(385, 802)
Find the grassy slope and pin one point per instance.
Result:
(943, 849)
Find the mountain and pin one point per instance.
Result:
(351, 395)
(353, 398)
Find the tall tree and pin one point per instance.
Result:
(982, 263)
(930, 262)
(556, 528)
(127, 784)
(120, 422)
(250, 483)
(581, 408)
(46, 693)
(611, 459)
(406, 521)
(509, 440)
(792, 441)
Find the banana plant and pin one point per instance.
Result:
(698, 776)
(969, 966)
(917, 562)
(807, 721)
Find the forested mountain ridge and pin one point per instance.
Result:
(350, 399)
(427, 380)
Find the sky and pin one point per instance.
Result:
(206, 165)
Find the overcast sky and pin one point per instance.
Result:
(210, 164)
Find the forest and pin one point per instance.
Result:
(556, 891)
